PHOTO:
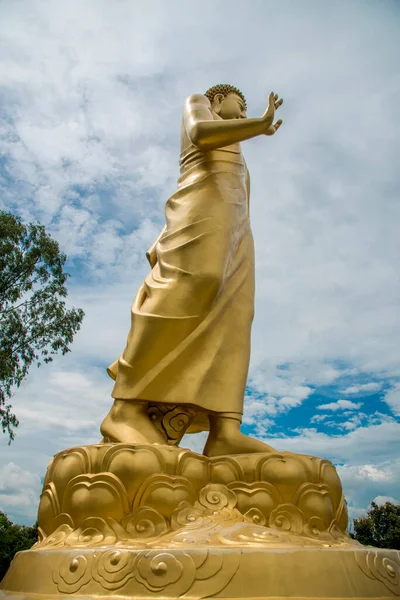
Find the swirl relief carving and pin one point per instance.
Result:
(173, 573)
(382, 566)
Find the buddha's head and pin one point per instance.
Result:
(227, 101)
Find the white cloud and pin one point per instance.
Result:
(353, 423)
(19, 493)
(374, 474)
(256, 410)
(340, 405)
(362, 387)
(70, 404)
(380, 441)
(380, 500)
(281, 391)
(319, 418)
(392, 399)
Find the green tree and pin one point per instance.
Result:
(13, 538)
(381, 526)
(35, 323)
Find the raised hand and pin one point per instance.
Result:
(274, 102)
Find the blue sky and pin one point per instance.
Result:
(91, 100)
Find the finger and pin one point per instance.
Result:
(276, 97)
(279, 103)
(271, 97)
(278, 124)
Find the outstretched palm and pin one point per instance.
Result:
(274, 102)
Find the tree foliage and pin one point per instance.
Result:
(35, 323)
(381, 526)
(13, 538)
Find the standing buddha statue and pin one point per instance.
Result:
(188, 348)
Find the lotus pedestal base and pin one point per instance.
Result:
(146, 522)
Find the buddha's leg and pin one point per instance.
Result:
(128, 422)
(225, 437)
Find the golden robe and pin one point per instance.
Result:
(189, 342)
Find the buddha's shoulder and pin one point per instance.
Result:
(198, 99)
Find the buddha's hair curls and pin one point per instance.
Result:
(225, 89)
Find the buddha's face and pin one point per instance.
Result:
(229, 107)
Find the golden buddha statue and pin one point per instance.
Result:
(189, 342)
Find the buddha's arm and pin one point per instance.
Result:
(209, 134)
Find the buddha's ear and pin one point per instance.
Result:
(217, 101)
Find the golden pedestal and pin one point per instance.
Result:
(138, 521)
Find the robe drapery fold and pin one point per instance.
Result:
(189, 342)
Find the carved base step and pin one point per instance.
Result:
(230, 573)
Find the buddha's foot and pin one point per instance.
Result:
(239, 443)
(129, 423)
(119, 432)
